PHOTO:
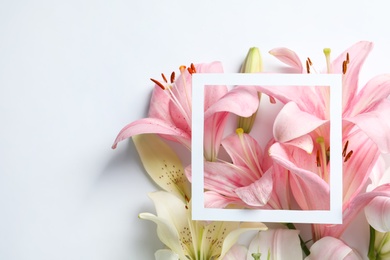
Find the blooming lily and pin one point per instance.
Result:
(304, 123)
(245, 182)
(329, 248)
(189, 239)
(171, 106)
(272, 244)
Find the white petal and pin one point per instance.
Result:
(232, 237)
(279, 243)
(162, 164)
(165, 254)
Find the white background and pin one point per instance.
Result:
(73, 73)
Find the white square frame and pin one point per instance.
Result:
(200, 212)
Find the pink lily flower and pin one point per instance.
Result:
(252, 180)
(364, 108)
(378, 210)
(329, 248)
(304, 123)
(171, 106)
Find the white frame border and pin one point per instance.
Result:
(199, 212)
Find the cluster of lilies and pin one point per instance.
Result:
(290, 172)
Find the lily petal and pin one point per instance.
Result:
(241, 100)
(375, 124)
(236, 252)
(352, 209)
(310, 191)
(276, 244)
(165, 254)
(259, 192)
(288, 57)
(357, 55)
(244, 151)
(330, 248)
(376, 89)
(377, 214)
(233, 236)
(162, 164)
(291, 122)
(224, 178)
(166, 232)
(214, 199)
(151, 125)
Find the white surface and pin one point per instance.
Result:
(73, 73)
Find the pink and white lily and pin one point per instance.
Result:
(171, 107)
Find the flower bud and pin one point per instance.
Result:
(252, 64)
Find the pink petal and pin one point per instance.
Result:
(242, 101)
(291, 122)
(244, 152)
(377, 89)
(357, 55)
(214, 127)
(375, 124)
(258, 193)
(224, 178)
(151, 125)
(377, 214)
(352, 209)
(236, 252)
(213, 93)
(330, 248)
(304, 142)
(216, 200)
(357, 169)
(310, 191)
(288, 57)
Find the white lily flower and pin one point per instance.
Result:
(163, 165)
(273, 244)
(188, 239)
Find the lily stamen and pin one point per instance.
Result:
(348, 156)
(327, 56)
(158, 83)
(307, 67)
(345, 148)
(345, 63)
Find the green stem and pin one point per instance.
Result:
(371, 248)
(303, 244)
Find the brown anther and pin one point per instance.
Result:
(327, 155)
(318, 159)
(345, 148)
(344, 67)
(347, 57)
(158, 84)
(164, 78)
(310, 63)
(172, 77)
(348, 156)
(307, 66)
(186, 207)
(193, 67)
